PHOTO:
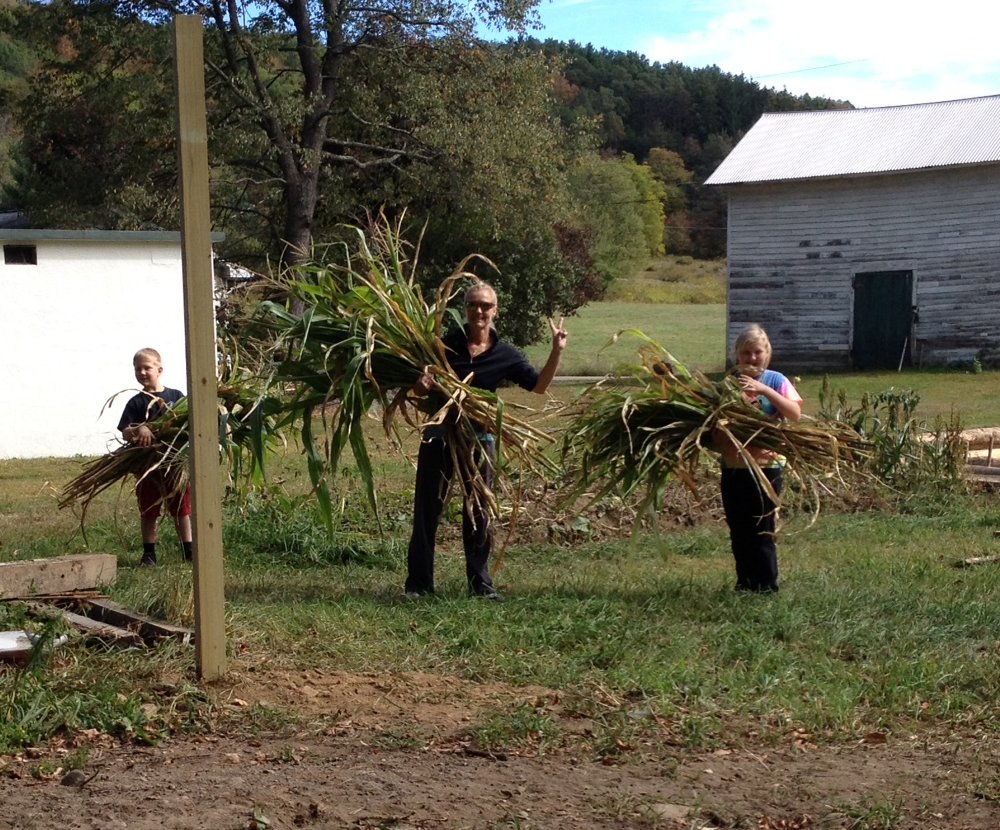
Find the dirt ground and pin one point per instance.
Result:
(395, 753)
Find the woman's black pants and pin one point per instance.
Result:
(435, 469)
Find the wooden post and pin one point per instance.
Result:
(199, 322)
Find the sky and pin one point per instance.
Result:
(873, 53)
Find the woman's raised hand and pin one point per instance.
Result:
(559, 334)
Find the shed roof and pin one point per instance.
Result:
(21, 234)
(784, 146)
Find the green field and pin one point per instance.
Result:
(695, 335)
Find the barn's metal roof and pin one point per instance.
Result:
(784, 146)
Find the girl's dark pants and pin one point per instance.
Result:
(434, 473)
(752, 522)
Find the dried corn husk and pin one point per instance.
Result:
(640, 435)
(246, 427)
(364, 337)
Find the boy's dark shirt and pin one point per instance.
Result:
(145, 406)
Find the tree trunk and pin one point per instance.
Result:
(297, 244)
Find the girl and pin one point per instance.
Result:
(750, 512)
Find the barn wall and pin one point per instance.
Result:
(73, 322)
(795, 247)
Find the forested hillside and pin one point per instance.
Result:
(565, 165)
(643, 108)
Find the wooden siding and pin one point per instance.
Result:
(795, 247)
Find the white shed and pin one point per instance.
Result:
(868, 238)
(79, 305)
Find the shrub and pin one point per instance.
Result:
(907, 455)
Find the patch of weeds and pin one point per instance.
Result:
(260, 718)
(289, 754)
(986, 788)
(905, 453)
(183, 708)
(44, 770)
(41, 699)
(526, 727)
(397, 739)
(573, 530)
(611, 744)
(77, 759)
(163, 594)
(514, 823)
(875, 815)
(638, 813)
(620, 727)
(292, 530)
(699, 732)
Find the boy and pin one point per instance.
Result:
(153, 487)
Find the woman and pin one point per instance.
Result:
(474, 349)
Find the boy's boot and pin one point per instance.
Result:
(188, 551)
(148, 555)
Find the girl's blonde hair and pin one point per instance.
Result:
(752, 335)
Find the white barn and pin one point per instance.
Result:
(868, 238)
(80, 303)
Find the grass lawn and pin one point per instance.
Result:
(874, 629)
(695, 334)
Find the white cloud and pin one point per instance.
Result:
(872, 52)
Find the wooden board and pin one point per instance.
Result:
(977, 560)
(93, 628)
(199, 326)
(57, 575)
(982, 438)
(107, 611)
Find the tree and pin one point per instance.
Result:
(708, 219)
(669, 169)
(496, 182)
(393, 105)
(98, 121)
(298, 71)
(15, 62)
(620, 204)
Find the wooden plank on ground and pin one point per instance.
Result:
(108, 611)
(93, 628)
(977, 560)
(57, 575)
(985, 480)
(980, 472)
(981, 438)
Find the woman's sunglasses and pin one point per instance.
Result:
(479, 306)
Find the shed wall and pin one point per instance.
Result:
(74, 321)
(795, 247)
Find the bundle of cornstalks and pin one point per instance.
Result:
(359, 339)
(641, 435)
(247, 423)
(168, 454)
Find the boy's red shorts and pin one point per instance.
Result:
(150, 490)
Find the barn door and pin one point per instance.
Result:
(883, 316)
